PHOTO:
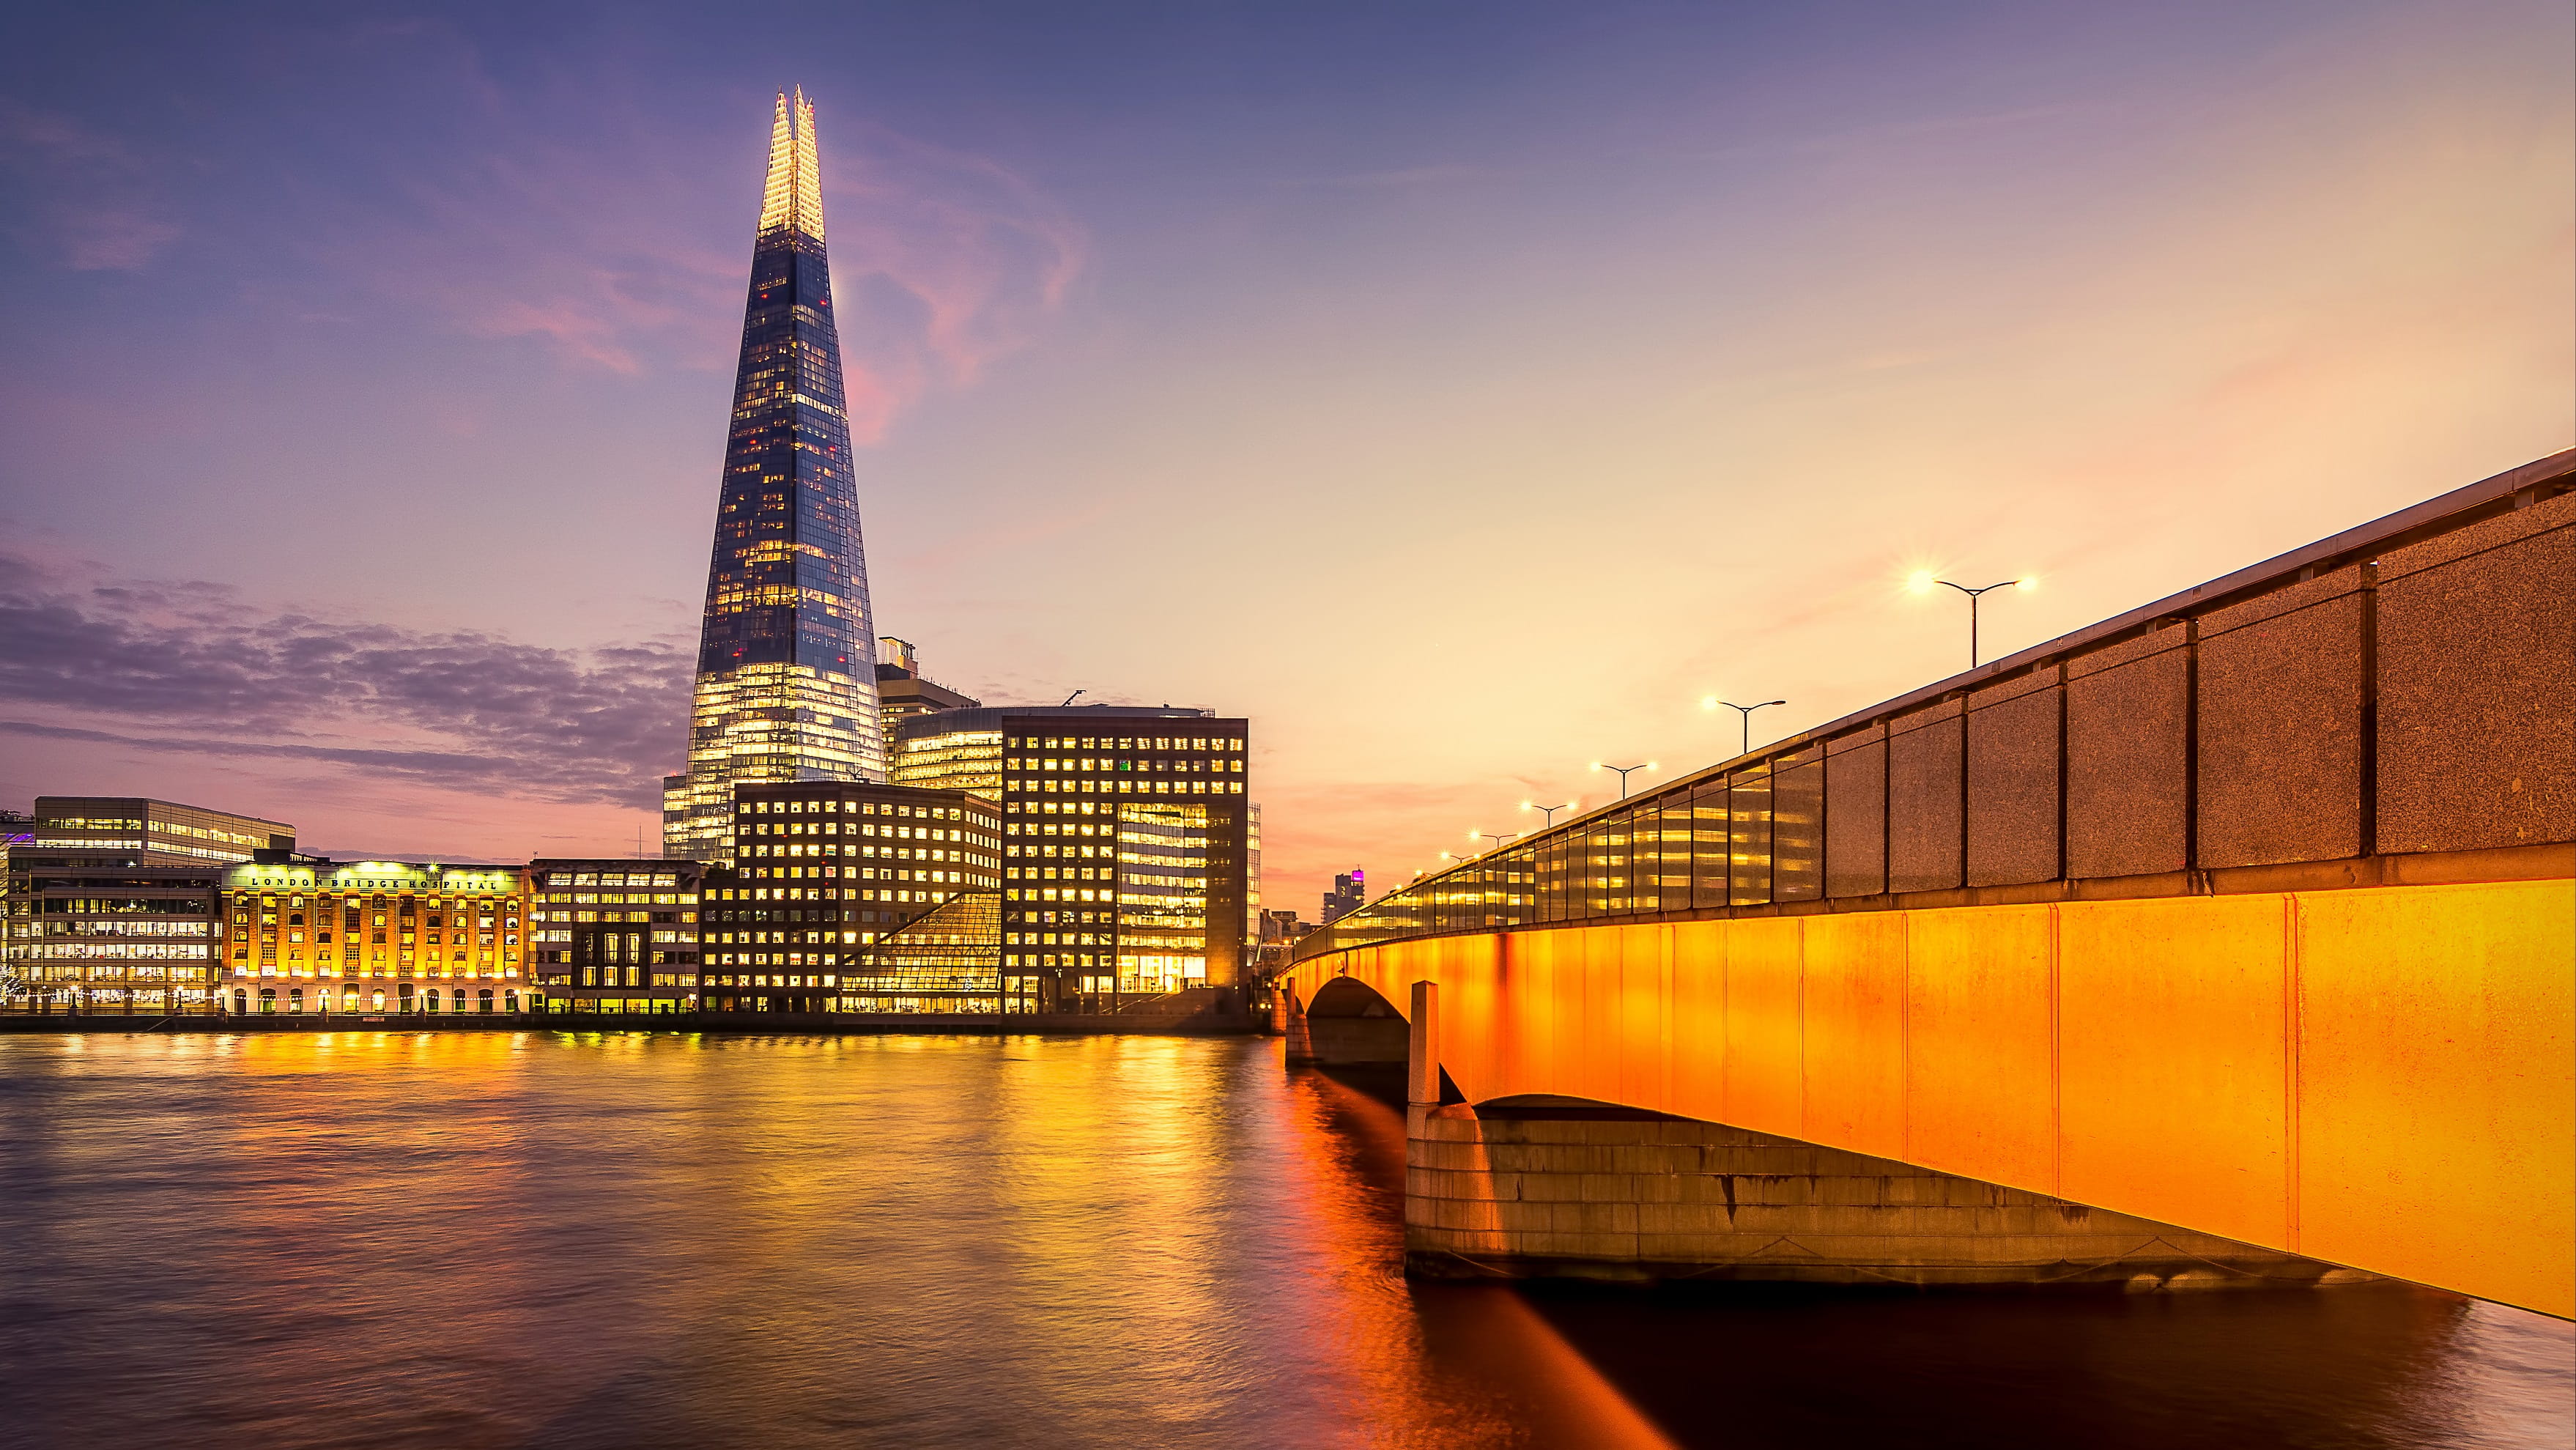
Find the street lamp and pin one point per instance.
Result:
(1497, 837)
(1549, 810)
(1924, 581)
(1745, 716)
(1623, 773)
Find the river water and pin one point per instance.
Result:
(527, 1239)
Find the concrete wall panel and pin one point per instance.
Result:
(1854, 1024)
(1533, 1060)
(1856, 818)
(1698, 1017)
(2126, 746)
(1923, 802)
(1643, 991)
(1981, 1044)
(1763, 1056)
(2173, 1053)
(2012, 786)
(2425, 1132)
(2477, 725)
(2280, 728)
(1591, 1030)
(1476, 1023)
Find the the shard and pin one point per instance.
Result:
(786, 683)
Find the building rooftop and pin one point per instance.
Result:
(990, 717)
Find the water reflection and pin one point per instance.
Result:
(463, 1239)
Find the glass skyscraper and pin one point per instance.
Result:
(786, 683)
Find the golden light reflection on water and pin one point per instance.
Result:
(491, 1239)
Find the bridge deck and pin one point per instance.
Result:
(2378, 1077)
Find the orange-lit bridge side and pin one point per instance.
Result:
(2379, 1077)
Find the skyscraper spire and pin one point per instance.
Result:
(786, 684)
(779, 195)
(809, 175)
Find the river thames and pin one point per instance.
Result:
(528, 1239)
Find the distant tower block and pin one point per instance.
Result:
(786, 685)
(1350, 891)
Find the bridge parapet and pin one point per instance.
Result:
(2248, 912)
(2396, 703)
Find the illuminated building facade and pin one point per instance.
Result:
(902, 692)
(112, 903)
(307, 934)
(850, 897)
(613, 935)
(1125, 841)
(786, 680)
(1349, 894)
(1252, 873)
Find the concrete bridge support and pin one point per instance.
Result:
(1546, 1191)
(1561, 1188)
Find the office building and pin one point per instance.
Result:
(1282, 928)
(1276, 941)
(1252, 912)
(112, 903)
(307, 934)
(849, 897)
(1349, 893)
(902, 692)
(1124, 838)
(786, 680)
(613, 935)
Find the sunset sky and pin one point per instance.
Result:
(1462, 392)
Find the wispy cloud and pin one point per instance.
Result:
(944, 263)
(192, 667)
(609, 257)
(81, 194)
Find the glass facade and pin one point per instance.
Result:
(1126, 843)
(856, 898)
(613, 935)
(113, 904)
(786, 679)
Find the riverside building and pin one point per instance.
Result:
(902, 692)
(1125, 839)
(786, 683)
(306, 934)
(112, 903)
(849, 897)
(613, 935)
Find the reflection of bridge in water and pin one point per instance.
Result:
(2236, 928)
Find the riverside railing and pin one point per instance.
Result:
(2382, 701)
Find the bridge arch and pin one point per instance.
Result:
(1351, 997)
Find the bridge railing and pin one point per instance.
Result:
(2403, 689)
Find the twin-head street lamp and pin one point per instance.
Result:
(1745, 717)
(1550, 811)
(1923, 582)
(1497, 837)
(1623, 773)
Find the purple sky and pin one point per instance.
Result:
(1462, 392)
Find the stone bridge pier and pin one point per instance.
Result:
(1560, 1188)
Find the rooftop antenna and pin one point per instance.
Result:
(1069, 699)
